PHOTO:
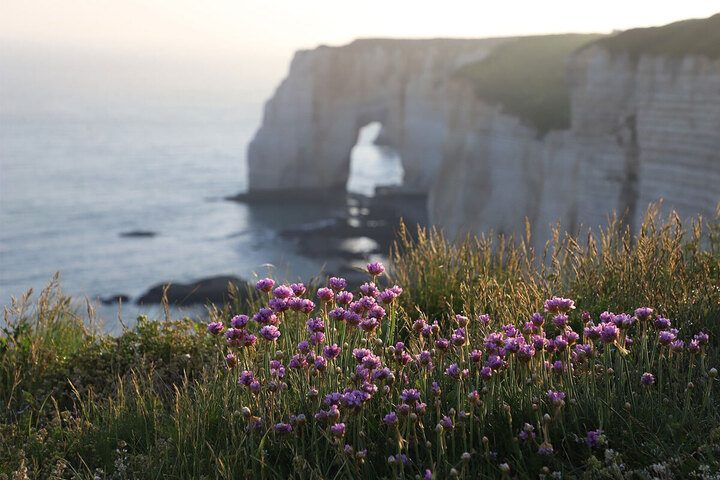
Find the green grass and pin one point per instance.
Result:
(156, 402)
(687, 37)
(527, 77)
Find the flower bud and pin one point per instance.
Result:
(413, 417)
(485, 441)
(628, 406)
(454, 472)
(465, 457)
(504, 467)
(547, 418)
(391, 460)
(713, 372)
(439, 428)
(245, 412)
(278, 355)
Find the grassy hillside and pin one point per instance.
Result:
(688, 37)
(527, 77)
(492, 390)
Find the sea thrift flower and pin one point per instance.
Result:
(344, 298)
(283, 291)
(215, 328)
(338, 430)
(595, 438)
(694, 347)
(367, 303)
(447, 423)
(525, 353)
(337, 283)
(510, 330)
(246, 378)
(360, 353)
(353, 319)
(315, 325)
(677, 346)
(593, 332)
(442, 344)
(369, 289)
(375, 268)
(331, 351)
(376, 312)
(298, 289)
(265, 317)
(494, 362)
(559, 305)
(295, 304)
(269, 332)
(282, 428)
(609, 333)
(527, 433)
(475, 356)
(647, 379)
(265, 285)
(337, 313)
(239, 321)
(396, 290)
(369, 325)
(412, 395)
(230, 361)
(623, 321)
(317, 338)
(458, 338)
(665, 338)
(486, 372)
(248, 340)
(556, 398)
(307, 306)
(390, 419)
(661, 323)
(387, 297)
(278, 305)
(545, 448)
(277, 369)
(453, 371)
(585, 317)
(560, 321)
(643, 313)
(325, 295)
(425, 358)
(702, 338)
(537, 319)
(320, 364)
(571, 337)
(484, 319)
(297, 361)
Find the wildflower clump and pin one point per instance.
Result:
(431, 389)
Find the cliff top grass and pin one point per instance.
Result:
(527, 77)
(163, 400)
(687, 37)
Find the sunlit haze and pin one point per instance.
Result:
(277, 27)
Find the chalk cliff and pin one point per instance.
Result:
(642, 126)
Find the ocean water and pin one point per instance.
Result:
(72, 182)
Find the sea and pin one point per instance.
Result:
(73, 181)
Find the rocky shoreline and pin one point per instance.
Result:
(366, 230)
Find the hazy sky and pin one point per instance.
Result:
(53, 52)
(278, 27)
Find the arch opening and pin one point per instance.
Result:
(373, 162)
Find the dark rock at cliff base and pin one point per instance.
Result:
(121, 297)
(138, 234)
(302, 195)
(212, 289)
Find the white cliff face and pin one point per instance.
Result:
(642, 129)
(312, 122)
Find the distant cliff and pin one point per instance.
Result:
(566, 127)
